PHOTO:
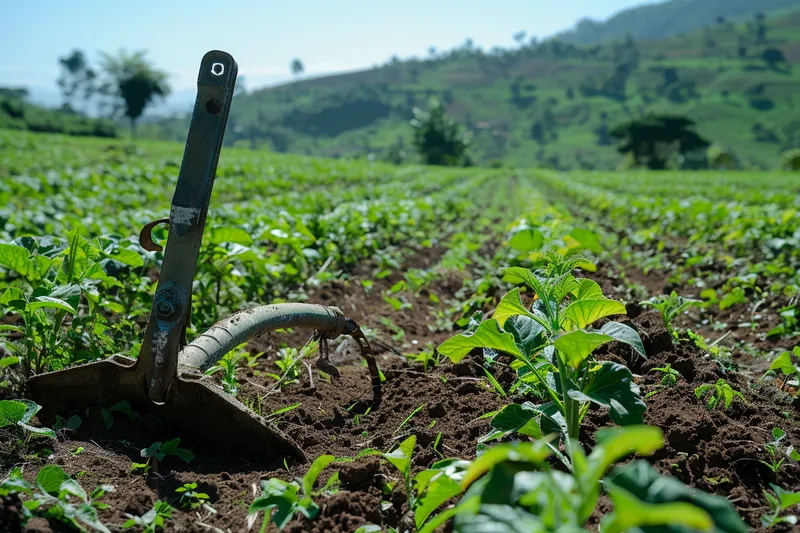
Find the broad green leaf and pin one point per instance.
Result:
(488, 335)
(50, 478)
(5, 362)
(126, 256)
(529, 452)
(612, 386)
(500, 518)
(527, 240)
(529, 335)
(400, 457)
(580, 314)
(11, 412)
(172, 448)
(630, 512)
(565, 286)
(625, 334)
(47, 432)
(12, 294)
(41, 302)
(589, 239)
(219, 235)
(614, 444)
(523, 276)
(314, 471)
(641, 479)
(784, 363)
(510, 305)
(588, 289)
(515, 417)
(441, 489)
(18, 259)
(578, 345)
(786, 498)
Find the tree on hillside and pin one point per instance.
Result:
(132, 83)
(653, 140)
(439, 140)
(297, 67)
(774, 58)
(76, 77)
(519, 37)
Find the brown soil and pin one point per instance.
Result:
(716, 451)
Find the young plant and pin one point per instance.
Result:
(159, 451)
(282, 499)
(152, 520)
(427, 490)
(669, 379)
(785, 364)
(553, 341)
(190, 498)
(721, 390)
(778, 453)
(17, 414)
(513, 487)
(671, 307)
(779, 502)
(56, 496)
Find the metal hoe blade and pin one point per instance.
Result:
(188, 403)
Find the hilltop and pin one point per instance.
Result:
(667, 19)
(550, 103)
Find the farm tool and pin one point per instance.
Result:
(167, 379)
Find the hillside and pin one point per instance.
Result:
(549, 103)
(667, 19)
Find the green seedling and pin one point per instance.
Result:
(779, 501)
(159, 451)
(144, 468)
(786, 365)
(548, 499)
(778, 453)
(152, 520)
(721, 390)
(427, 490)
(190, 497)
(57, 497)
(73, 423)
(669, 379)
(552, 342)
(281, 500)
(671, 307)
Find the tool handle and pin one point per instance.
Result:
(158, 357)
(224, 336)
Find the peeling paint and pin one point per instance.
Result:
(160, 346)
(184, 215)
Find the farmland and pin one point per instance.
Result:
(537, 332)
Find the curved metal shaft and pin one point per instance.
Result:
(209, 347)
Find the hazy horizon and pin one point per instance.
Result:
(352, 35)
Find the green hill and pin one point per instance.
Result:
(550, 103)
(666, 19)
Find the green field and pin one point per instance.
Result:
(534, 329)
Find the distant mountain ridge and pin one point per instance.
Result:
(666, 19)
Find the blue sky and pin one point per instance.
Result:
(264, 36)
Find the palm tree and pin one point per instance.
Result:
(133, 84)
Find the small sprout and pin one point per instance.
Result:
(670, 307)
(190, 498)
(159, 451)
(721, 390)
(152, 519)
(77, 451)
